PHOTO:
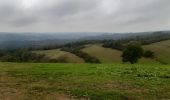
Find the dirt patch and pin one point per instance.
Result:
(11, 94)
(12, 88)
(124, 87)
(58, 97)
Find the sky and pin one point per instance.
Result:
(84, 15)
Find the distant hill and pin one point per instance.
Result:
(137, 35)
(21, 40)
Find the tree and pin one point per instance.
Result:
(132, 53)
(1, 53)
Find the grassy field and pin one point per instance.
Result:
(161, 50)
(107, 55)
(57, 53)
(36, 81)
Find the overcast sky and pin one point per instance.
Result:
(84, 15)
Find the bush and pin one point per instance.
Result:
(148, 54)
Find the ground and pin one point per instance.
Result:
(44, 81)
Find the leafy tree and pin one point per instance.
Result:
(132, 53)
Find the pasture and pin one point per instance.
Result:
(161, 50)
(44, 81)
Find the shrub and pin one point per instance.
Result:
(148, 54)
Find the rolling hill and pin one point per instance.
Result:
(161, 50)
(57, 54)
(107, 55)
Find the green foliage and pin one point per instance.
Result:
(148, 54)
(87, 58)
(113, 44)
(132, 53)
(76, 49)
(24, 55)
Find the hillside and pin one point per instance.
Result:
(58, 54)
(108, 55)
(162, 51)
(28, 81)
(105, 55)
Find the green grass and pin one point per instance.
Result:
(57, 53)
(89, 81)
(107, 55)
(161, 50)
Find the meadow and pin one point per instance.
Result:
(161, 50)
(54, 81)
(107, 55)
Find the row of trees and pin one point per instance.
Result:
(144, 39)
(24, 55)
(113, 44)
(77, 51)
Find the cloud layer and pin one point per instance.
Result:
(84, 15)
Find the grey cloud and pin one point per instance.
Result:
(24, 21)
(84, 15)
(73, 7)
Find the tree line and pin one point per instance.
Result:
(25, 55)
(77, 51)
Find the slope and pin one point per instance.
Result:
(57, 53)
(161, 50)
(105, 55)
